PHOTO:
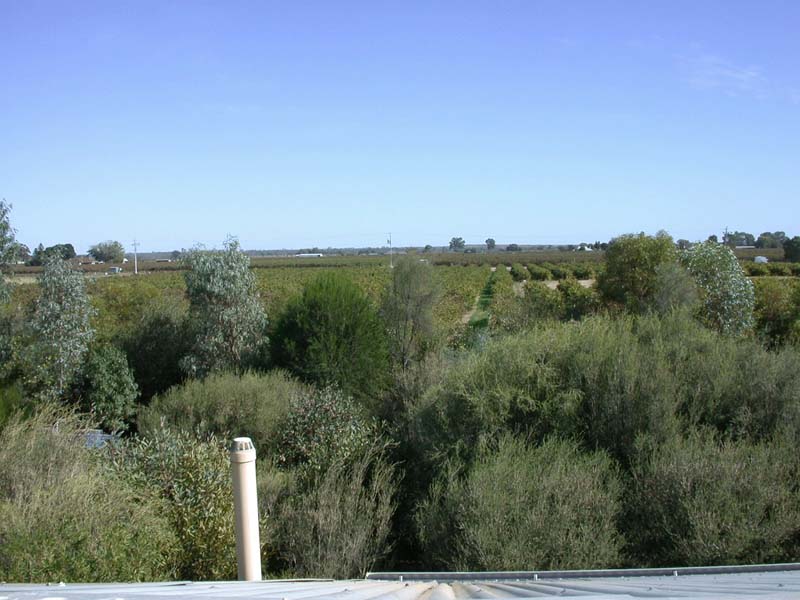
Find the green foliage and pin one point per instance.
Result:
(525, 508)
(339, 526)
(457, 243)
(332, 335)
(107, 389)
(700, 501)
(791, 249)
(630, 275)
(109, 251)
(154, 346)
(323, 427)
(771, 239)
(224, 310)
(65, 517)
(407, 311)
(674, 289)
(9, 248)
(777, 309)
(756, 269)
(192, 476)
(539, 273)
(579, 301)
(490, 244)
(57, 252)
(726, 293)
(519, 272)
(779, 269)
(58, 333)
(227, 405)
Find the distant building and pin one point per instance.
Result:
(308, 255)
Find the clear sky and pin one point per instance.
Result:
(331, 123)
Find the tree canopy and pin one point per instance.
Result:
(108, 251)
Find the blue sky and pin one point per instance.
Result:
(332, 123)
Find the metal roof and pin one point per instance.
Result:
(771, 582)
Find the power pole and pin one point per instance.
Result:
(135, 258)
(391, 262)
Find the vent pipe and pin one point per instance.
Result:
(248, 546)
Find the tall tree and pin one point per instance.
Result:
(490, 243)
(726, 292)
(225, 311)
(332, 335)
(631, 268)
(108, 251)
(457, 243)
(407, 310)
(791, 249)
(9, 248)
(59, 332)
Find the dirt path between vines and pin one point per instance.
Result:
(467, 317)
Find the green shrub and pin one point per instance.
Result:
(699, 501)
(227, 405)
(795, 268)
(106, 388)
(674, 290)
(323, 427)
(519, 272)
(776, 309)
(524, 508)
(559, 271)
(192, 475)
(756, 269)
(154, 346)
(539, 273)
(66, 517)
(779, 269)
(579, 301)
(339, 525)
(583, 271)
(332, 335)
(630, 275)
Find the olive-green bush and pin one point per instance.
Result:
(192, 476)
(65, 516)
(338, 525)
(704, 501)
(322, 428)
(227, 405)
(520, 507)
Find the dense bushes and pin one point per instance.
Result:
(338, 525)
(192, 476)
(65, 516)
(227, 404)
(631, 263)
(332, 335)
(525, 508)
(704, 501)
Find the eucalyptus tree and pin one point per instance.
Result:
(226, 318)
(59, 332)
(726, 293)
(9, 248)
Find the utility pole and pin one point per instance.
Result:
(391, 262)
(135, 258)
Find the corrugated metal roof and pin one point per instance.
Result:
(763, 584)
